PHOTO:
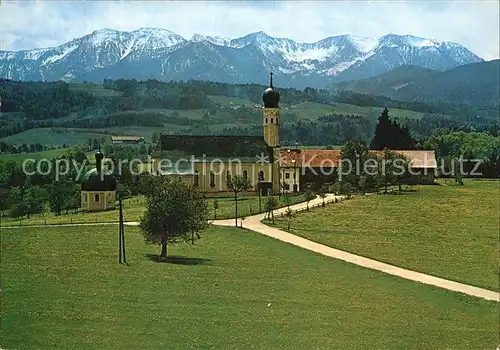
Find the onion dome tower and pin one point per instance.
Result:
(98, 190)
(271, 99)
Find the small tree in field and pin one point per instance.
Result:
(343, 188)
(402, 170)
(362, 184)
(174, 212)
(8, 198)
(346, 189)
(283, 188)
(322, 193)
(60, 194)
(34, 198)
(215, 204)
(271, 204)
(122, 191)
(19, 210)
(289, 215)
(457, 173)
(386, 172)
(237, 184)
(287, 200)
(459, 178)
(309, 197)
(336, 188)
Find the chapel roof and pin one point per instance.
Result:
(95, 179)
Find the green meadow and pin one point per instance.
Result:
(63, 288)
(448, 231)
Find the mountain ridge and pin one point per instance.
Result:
(474, 83)
(109, 53)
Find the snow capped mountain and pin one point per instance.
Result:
(161, 54)
(216, 40)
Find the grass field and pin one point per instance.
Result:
(94, 89)
(446, 231)
(313, 110)
(62, 288)
(133, 208)
(50, 154)
(228, 100)
(183, 113)
(54, 136)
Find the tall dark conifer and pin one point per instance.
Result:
(389, 134)
(382, 131)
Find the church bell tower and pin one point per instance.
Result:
(271, 99)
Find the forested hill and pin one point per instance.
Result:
(40, 100)
(475, 84)
(129, 103)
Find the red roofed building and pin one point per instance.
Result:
(127, 140)
(316, 167)
(307, 166)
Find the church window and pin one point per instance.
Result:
(96, 198)
(287, 175)
(196, 180)
(261, 176)
(272, 120)
(266, 120)
(245, 174)
(212, 178)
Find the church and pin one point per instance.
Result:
(208, 162)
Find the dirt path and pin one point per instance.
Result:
(254, 223)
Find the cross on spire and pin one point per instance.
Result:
(271, 82)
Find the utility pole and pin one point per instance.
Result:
(260, 192)
(121, 233)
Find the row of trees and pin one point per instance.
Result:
(369, 171)
(9, 148)
(26, 200)
(471, 147)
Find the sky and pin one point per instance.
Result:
(27, 24)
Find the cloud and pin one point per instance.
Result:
(474, 24)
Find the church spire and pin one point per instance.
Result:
(271, 97)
